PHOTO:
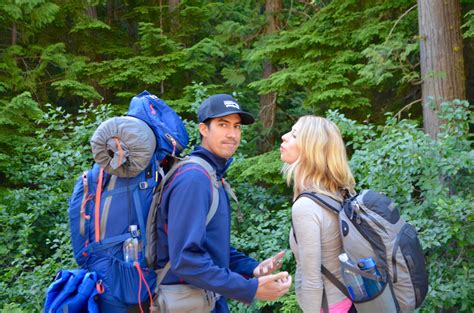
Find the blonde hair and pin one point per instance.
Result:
(322, 164)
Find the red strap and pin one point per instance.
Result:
(83, 208)
(85, 253)
(100, 287)
(98, 193)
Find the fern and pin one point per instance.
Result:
(469, 25)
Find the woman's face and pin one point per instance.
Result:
(289, 151)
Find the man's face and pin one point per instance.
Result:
(222, 137)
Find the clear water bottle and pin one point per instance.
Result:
(372, 286)
(132, 247)
(353, 281)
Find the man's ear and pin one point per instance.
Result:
(203, 130)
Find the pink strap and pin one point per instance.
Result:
(340, 307)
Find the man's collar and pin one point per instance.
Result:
(220, 164)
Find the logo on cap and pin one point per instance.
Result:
(231, 104)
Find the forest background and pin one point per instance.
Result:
(368, 65)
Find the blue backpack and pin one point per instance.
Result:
(117, 193)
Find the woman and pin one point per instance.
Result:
(315, 161)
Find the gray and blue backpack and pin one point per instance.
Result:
(117, 193)
(371, 227)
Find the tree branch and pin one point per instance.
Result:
(398, 20)
(406, 107)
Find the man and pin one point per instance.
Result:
(200, 255)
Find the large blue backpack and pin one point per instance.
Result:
(109, 198)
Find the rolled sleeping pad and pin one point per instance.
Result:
(123, 146)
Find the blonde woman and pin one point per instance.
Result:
(315, 160)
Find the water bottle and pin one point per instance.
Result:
(353, 281)
(132, 247)
(372, 286)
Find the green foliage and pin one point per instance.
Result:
(17, 126)
(359, 57)
(469, 25)
(28, 16)
(393, 59)
(341, 51)
(90, 24)
(431, 181)
(29, 69)
(34, 237)
(67, 87)
(264, 168)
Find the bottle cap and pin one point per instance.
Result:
(366, 263)
(134, 231)
(343, 257)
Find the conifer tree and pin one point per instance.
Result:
(441, 58)
(268, 101)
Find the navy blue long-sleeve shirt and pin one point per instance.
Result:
(200, 255)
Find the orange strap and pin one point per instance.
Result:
(98, 193)
(152, 110)
(117, 141)
(141, 278)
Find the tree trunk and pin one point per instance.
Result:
(441, 58)
(161, 14)
(110, 12)
(91, 12)
(268, 101)
(14, 34)
(173, 15)
(172, 5)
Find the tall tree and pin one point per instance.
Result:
(173, 5)
(268, 101)
(441, 58)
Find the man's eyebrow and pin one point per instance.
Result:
(227, 121)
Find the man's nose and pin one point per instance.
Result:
(232, 133)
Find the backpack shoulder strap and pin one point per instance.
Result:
(323, 200)
(232, 194)
(336, 282)
(215, 184)
(335, 207)
(212, 210)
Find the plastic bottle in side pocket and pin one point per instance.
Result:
(353, 281)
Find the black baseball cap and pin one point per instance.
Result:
(221, 105)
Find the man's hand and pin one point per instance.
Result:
(272, 287)
(269, 265)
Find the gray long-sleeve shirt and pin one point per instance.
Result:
(317, 233)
